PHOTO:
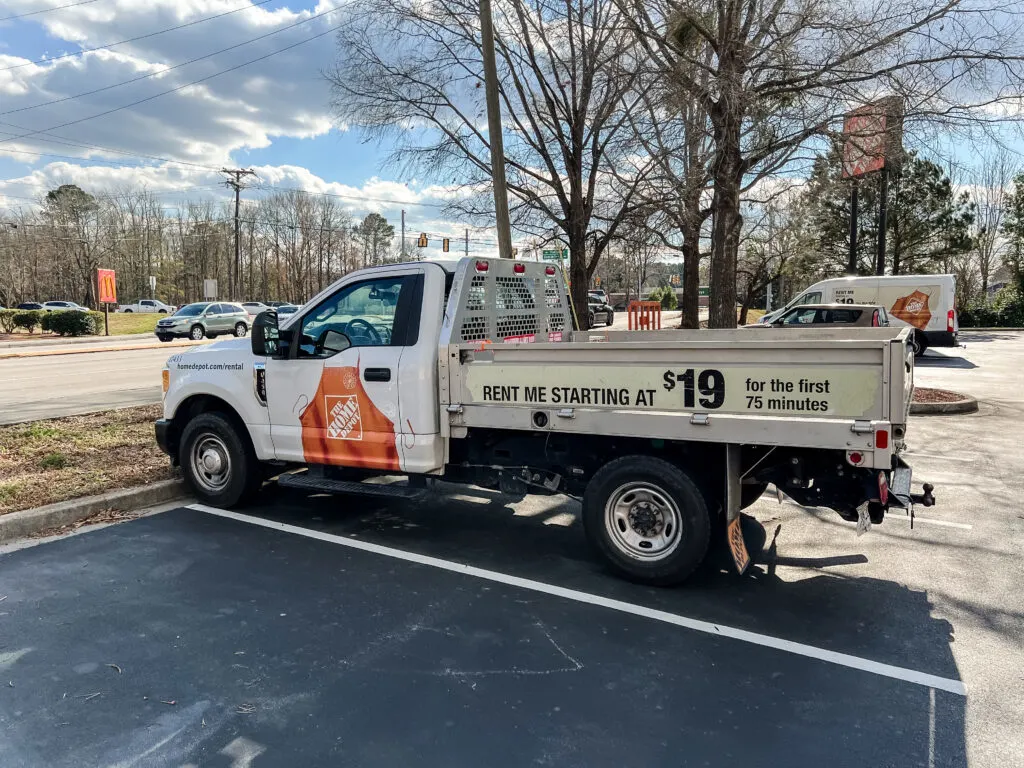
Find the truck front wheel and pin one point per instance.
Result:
(218, 464)
(648, 519)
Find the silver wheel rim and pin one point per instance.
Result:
(210, 462)
(197, 333)
(239, 330)
(643, 521)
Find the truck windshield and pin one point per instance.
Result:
(190, 310)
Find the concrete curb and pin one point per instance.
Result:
(44, 341)
(18, 525)
(968, 405)
(89, 349)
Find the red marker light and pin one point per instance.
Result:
(882, 439)
(519, 268)
(549, 270)
(855, 457)
(482, 266)
(950, 319)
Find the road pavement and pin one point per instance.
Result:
(65, 385)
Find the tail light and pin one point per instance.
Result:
(950, 320)
(882, 439)
(482, 266)
(549, 270)
(519, 268)
(883, 488)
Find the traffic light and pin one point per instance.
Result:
(422, 242)
(597, 281)
(444, 244)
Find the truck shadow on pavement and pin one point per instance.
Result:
(227, 631)
(943, 361)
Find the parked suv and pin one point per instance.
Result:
(204, 318)
(818, 315)
(63, 306)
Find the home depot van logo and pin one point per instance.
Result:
(343, 419)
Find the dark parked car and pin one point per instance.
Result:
(29, 305)
(600, 311)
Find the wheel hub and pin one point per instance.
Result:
(645, 519)
(212, 461)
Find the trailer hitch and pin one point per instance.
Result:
(925, 499)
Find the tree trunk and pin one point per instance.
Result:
(578, 278)
(725, 238)
(691, 272)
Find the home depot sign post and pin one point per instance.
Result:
(872, 141)
(106, 294)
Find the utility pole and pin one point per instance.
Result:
(235, 182)
(403, 234)
(494, 136)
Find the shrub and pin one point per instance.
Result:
(69, 323)
(666, 295)
(28, 319)
(54, 461)
(1006, 310)
(7, 320)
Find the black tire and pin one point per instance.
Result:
(215, 433)
(128, 311)
(919, 343)
(611, 317)
(591, 320)
(166, 338)
(196, 333)
(690, 532)
(240, 330)
(161, 312)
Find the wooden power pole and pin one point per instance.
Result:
(494, 137)
(235, 176)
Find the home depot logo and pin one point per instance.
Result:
(343, 419)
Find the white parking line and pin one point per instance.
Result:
(720, 630)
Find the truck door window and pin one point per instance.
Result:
(365, 312)
(808, 298)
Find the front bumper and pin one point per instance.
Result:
(162, 427)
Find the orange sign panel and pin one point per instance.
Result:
(737, 546)
(107, 286)
(913, 309)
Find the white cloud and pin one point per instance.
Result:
(283, 95)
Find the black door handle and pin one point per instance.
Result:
(377, 374)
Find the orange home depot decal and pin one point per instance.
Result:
(342, 426)
(913, 309)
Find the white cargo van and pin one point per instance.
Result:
(926, 303)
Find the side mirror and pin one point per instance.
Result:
(333, 342)
(266, 339)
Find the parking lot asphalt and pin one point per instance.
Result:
(282, 643)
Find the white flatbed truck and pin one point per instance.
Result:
(470, 372)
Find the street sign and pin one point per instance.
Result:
(209, 289)
(152, 283)
(555, 255)
(704, 290)
(106, 282)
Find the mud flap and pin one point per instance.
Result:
(733, 500)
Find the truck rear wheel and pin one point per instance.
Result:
(648, 519)
(219, 465)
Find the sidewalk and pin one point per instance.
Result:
(42, 348)
(41, 342)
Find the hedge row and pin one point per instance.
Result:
(1006, 310)
(62, 323)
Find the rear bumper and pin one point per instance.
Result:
(940, 338)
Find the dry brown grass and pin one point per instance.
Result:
(42, 462)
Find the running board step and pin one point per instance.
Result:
(302, 481)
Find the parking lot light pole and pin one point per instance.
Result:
(494, 136)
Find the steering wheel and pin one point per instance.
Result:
(364, 329)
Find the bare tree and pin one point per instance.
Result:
(989, 191)
(412, 72)
(770, 76)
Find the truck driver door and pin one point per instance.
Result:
(333, 399)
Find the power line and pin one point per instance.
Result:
(47, 60)
(167, 69)
(96, 147)
(178, 88)
(46, 10)
(351, 197)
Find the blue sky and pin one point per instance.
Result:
(272, 115)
